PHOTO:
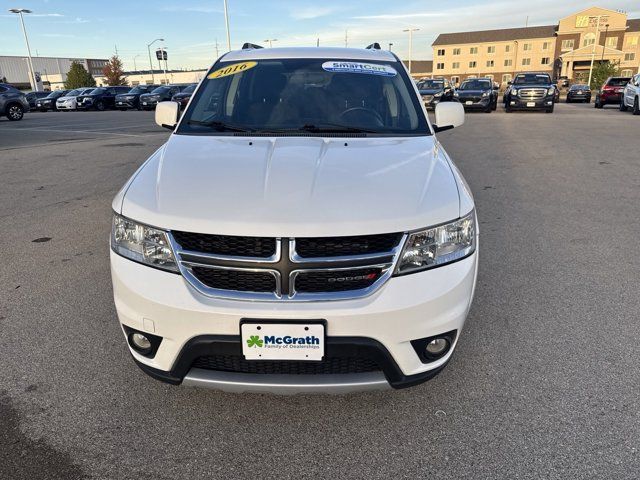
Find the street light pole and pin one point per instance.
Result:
(271, 40)
(135, 68)
(410, 30)
(32, 76)
(153, 78)
(163, 51)
(390, 45)
(593, 50)
(606, 32)
(226, 21)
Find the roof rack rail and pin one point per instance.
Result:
(248, 46)
(373, 46)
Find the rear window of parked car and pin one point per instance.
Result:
(618, 82)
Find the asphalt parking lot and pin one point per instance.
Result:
(544, 383)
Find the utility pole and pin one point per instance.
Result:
(317, 42)
(32, 77)
(135, 68)
(217, 53)
(346, 38)
(606, 32)
(226, 20)
(410, 30)
(593, 51)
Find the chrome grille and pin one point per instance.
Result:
(533, 93)
(286, 269)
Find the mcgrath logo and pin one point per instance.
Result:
(254, 341)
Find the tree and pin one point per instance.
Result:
(78, 77)
(113, 72)
(602, 71)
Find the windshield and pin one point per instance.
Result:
(532, 79)
(98, 91)
(56, 94)
(475, 85)
(430, 85)
(578, 87)
(190, 89)
(140, 89)
(305, 95)
(618, 82)
(160, 90)
(87, 91)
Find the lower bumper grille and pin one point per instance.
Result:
(235, 280)
(328, 366)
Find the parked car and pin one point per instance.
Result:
(556, 95)
(611, 91)
(292, 263)
(530, 91)
(579, 92)
(32, 98)
(69, 101)
(131, 99)
(100, 98)
(477, 94)
(630, 97)
(183, 97)
(148, 101)
(435, 90)
(13, 102)
(49, 102)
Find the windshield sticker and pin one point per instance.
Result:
(231, 70)
(357, 67)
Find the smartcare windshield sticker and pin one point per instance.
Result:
(231, 69)
(357, 67)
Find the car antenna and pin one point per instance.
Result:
(373, 46)
(249, 46)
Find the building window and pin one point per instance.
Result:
(589, 39)
(612, 42)
(456, 65)
(455, 80)
(441, 52)
(473, 51)
(473, 64)
(506, 78)
(626, 73)
(527, 47)
(567, 45)
(490, 63)
(508, 63)
(545, 46)
(456, 51)
(491, 49)
(526, 61)
(440, 66)
(545, 61)
(629, 57)
(632, 41)
(507, 48)
(490, 77)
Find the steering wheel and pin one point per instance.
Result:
(375, 116)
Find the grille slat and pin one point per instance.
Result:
(328, 366)
(346, 246)
(235, 280)
(258, 247)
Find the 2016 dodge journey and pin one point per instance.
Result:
(302, 230)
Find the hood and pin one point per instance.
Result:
(293, 186)
(472, 93)
(430, 91)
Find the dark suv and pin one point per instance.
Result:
(148, 101)
(100, 98)
(131, 99)
(184, 96)
(13, 102)
(530, 91)
(477, 94)
(49, 102)
(610, 92)
(435, 90)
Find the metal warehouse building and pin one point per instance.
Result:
(51, 70)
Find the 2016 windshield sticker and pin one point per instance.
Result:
(231, 70)
(357, 67)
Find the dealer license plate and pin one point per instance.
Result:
(119, 103)
(282, 341)
(468, 102)
(144, 103)
(531, 104)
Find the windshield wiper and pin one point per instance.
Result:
(322, 128)
(220, 126)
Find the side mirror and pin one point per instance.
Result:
(509, 83)
(448, 115)
(167, 114)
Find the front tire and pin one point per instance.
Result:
(549, 110)
(636, 106)
(14, 112)
(598, 104)
(100, 106)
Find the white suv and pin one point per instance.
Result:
(631, 95)
(302, 230)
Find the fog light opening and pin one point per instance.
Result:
(140, 343)
(437, 346)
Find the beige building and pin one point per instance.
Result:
(565, 49)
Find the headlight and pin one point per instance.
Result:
(438, 245)
(438, 95)
(142, 243)
(514, 92)
(456, 94)
(551, 91)
(485, 94)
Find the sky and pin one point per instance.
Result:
(191, 28)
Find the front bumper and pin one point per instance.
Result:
(475, 104)
(406, 308)
(86, 105)
(126, 103)
(519, 103)
(66, 106)
(147, 104)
